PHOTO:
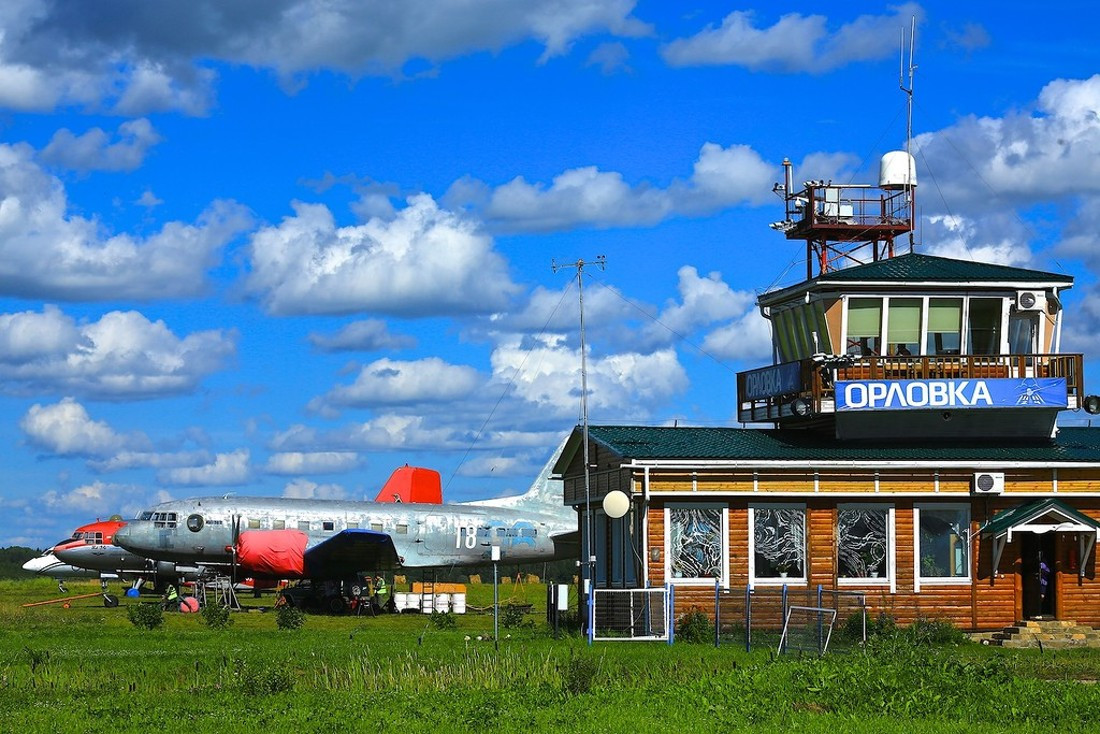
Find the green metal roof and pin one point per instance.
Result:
(1005, 520)
(1077, 445)
(916, 269)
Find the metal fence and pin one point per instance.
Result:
(631, 614)
(754, 617)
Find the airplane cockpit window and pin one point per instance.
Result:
(194, 523)
(164, 519)
(76, 536)
(96, 538)
(145, 515)
(63, 542)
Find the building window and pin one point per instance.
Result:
(865, 543)
(984, 333)
(943, 547)
(944, 326)
(864, 326)
(778, 536)
(696, 537)
(903, 337)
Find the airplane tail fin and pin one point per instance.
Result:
(545, 492)
(412, 484)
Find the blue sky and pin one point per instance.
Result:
(286, 247)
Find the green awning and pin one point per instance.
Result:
(1042, 516)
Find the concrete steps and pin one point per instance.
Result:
(1052, 634)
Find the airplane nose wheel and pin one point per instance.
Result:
(110, 601)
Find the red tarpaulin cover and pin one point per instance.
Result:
(275, 553)
(412, 484)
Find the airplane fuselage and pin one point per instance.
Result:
(205, 530)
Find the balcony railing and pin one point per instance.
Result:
(817, 377)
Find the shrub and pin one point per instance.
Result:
(695, 626)
(257, 681)
(216, 616)
(512, 616)
(934, 632)
(443, 620)
(147, 616)
(578, 674)
(289, 618)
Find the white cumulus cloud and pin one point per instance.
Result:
(424, 261)
(66, 429)
(95, 151)
(307, 490)
(588, 197)
(228, 469)
(794, 43)
(313, 462)
(116, 55)
(393, 382)
(368, 335)
(48, 252)
(122, 356)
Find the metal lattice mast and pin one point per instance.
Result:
(600, 262)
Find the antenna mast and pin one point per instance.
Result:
(909, 109)
(586, 569)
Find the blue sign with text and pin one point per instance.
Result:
(1029, 392)
(768, 382)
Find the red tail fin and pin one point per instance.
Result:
(412, 484)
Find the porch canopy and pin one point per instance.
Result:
(1042, 516)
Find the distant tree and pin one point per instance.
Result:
(12, 560)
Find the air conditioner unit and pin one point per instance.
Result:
(989, 482)
(1031, 301)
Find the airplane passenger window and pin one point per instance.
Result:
(253, 523)
(194, 523)
(402, 529)
(303, 525)
(376, 527)
(353, 525)
(328, 525)
(278, 525)
(528, 532)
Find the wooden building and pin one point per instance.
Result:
(913, 453)
(911, 525)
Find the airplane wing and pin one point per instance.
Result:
(349, 552)
(293, 554)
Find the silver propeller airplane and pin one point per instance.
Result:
(286, 538)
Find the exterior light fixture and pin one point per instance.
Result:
(1091, 404)
(802, 408)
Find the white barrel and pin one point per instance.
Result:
(458, 603)
(400, 600)
(443, 602)
(427, 603)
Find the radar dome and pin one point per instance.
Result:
(897, 170)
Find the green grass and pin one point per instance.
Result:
(88, 668)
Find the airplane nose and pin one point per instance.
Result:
(122, 536)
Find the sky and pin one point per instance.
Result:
(283, 247)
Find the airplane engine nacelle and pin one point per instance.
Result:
(273, 553)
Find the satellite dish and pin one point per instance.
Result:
(616, 504)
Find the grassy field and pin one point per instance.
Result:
(87, 668)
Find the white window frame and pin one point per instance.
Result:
(920, 580)
(725, 531)
(891, 579)
(802, 580)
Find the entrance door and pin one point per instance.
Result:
(1037, 567)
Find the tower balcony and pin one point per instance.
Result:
(902, 396)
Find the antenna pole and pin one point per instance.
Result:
(587, 566)
(909, 117)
